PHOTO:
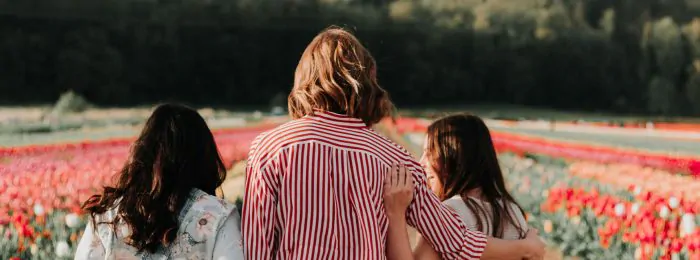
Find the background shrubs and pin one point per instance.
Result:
(604, 55)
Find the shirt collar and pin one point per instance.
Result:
(337, 119)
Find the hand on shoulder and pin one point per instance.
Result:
(398, 191)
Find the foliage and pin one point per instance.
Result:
(243, 52)
(668, 47)
(69, 102)
(662, 95)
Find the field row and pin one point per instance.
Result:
(514, 142)
(594, 219)
(590, 208)
(42, 188)
(593, 207)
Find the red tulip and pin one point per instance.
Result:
(25, 231)
(60, 177)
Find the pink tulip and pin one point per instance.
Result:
(61, 177)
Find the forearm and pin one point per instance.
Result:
(505, 249)
(397, 243)
(442, 227)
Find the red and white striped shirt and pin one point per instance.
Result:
(314, 190)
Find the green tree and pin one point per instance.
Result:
(662, 96)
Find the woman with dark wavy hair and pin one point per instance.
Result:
(163, 205)
(463, 171)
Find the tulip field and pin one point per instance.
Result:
(42, 188)
(595, 202)
(589, 201)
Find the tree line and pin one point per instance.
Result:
(637, 56)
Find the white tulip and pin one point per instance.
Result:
(619, 209)
(635, 208)
(34, 249)
(664, 212)
(673, 202)
(72, 220)
(63, 249)
(687, 224)
(637, 190)
(39, 210)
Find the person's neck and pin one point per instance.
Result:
(474, 193)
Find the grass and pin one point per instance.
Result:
(505, 111)
(655, 144)
(19, 127)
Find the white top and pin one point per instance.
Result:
(510, 231)
(209, 229)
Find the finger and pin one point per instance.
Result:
(410, 180)
(387, 177)
(397, 177)
(404, 174)
(390, 175)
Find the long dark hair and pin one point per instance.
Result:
(462, 154)
(174, 154)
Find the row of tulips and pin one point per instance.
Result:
(604, 211)
(595, 220)
(42, 187)
(530, 181)
(529, 144)
(32, 150)
(659, 217)
(646, 183)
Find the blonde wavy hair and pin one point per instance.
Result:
(337, 73)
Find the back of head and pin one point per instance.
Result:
(461, 150)
(174, 154)
(337, 73)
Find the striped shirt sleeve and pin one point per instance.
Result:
(258, 211)
(440, 226)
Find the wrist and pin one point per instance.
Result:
(396, 217)
(524, 248)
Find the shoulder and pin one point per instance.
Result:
(457, 204)
(268, 142)
(454, 203)
(517, 213)
(390, 150)
(206, 210)
(284, 131)
(203, 202)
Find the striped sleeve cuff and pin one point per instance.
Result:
(474, 245)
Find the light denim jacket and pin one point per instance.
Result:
(209, 229)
